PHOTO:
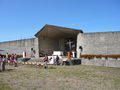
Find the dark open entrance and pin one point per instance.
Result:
(69, 45)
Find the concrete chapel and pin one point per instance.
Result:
(56, 38)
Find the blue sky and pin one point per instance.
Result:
(21, 19)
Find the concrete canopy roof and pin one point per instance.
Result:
(57, 32)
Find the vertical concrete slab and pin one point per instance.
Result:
(36, 48)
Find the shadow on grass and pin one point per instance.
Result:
(40, 67)
(7, 70)
(51, 68)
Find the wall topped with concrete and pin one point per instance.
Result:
(99, 43)
(18, 46)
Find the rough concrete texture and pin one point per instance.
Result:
(99, 43)
(48, 45)
(18, 46)
(99, 62)
(36, 44)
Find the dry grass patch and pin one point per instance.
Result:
(79, 77)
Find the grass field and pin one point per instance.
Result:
(78, 77)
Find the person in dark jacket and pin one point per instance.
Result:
(57, 60)
(45, 61)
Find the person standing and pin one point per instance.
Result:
(12, 59)
(15, 60)
(57, 60)
(45, 61)
(12, 56)
(7, 56)
(1, 63)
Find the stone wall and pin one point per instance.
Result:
(18, 46)
(101, 62)
(99, 43)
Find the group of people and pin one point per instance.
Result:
(9, 58)
(52, 60)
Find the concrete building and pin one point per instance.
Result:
(54, 38)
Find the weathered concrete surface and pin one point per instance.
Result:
(99, 62)
(18, 46)
(99, 43)
(36, 44)
(48, 45)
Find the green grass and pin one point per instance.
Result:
(78, 77)
(5, 86)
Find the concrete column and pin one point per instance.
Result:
(78, 53)
(78, 44)
(36, 48)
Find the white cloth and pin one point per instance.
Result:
(53, 60)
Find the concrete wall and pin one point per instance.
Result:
(99, 43)
(100, 62)
(19, 46)
(48, 45)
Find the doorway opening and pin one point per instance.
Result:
(69, 45)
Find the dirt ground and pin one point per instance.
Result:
(78, 77)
